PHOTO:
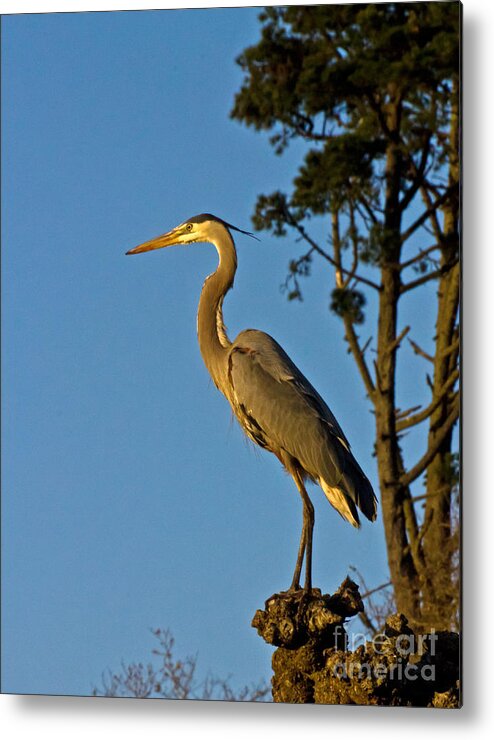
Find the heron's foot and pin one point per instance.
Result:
(294, 593)
(302, 593)
(295, 586)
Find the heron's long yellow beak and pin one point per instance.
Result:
(165, 240)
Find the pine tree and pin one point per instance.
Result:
(373, 90)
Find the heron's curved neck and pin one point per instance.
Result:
(211, 331)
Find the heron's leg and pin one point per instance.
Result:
(309, 516)
(300, 557)
(306, 538)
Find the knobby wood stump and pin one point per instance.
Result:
(312, 663)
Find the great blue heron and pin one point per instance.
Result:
(274, 403)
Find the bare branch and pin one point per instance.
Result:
(405, 287)
(401, 414)
(396, 343)
(339, 281)
(172, 679)
(367, 621)
(376, 107)
(374, 614)
(418, 173)
(376, 589)
(426, 214)
(419, 351)
(310, 136)
(358, 354)
(436, 228)
(350, 333)
(433, 448)
(366, 345)
(439, 492)
(423, 415)
(378, 377)
(326, 256)
(368, 208)
(419, 256)
(413, 531)
(453, 347)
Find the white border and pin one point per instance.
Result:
(82, 718)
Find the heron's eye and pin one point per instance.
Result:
(189, 227)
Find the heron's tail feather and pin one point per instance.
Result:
(352, 492)
(341, 502)
(359, 488)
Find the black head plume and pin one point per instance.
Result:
(210, 217)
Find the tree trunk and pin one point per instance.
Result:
(440, 593)
(394, 496)
(390, 466)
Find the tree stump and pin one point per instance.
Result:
(312, 662)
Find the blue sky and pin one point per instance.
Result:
(130, 498)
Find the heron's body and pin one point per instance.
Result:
(274, 403)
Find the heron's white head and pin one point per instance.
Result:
(202, 228)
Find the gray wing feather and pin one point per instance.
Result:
(280, 409)
(271, 390)
(271, 357)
